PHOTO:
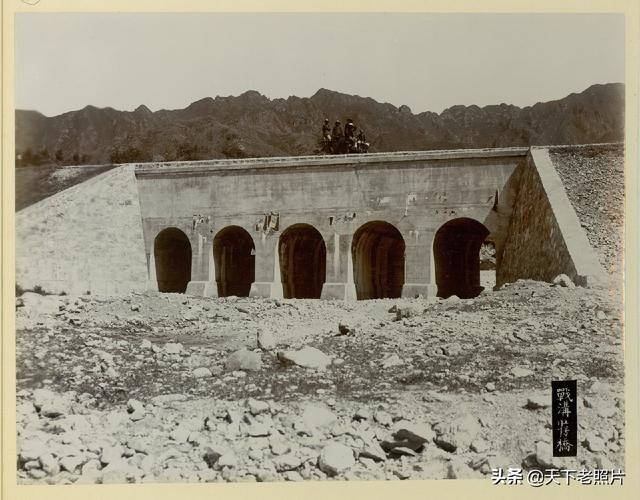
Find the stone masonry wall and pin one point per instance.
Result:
(85, 238)
(545, 237)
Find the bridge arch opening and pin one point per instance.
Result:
(378, 261)
(457, 253)
(235, 261)
(303, 261)
(172, 254)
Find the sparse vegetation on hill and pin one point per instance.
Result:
(251, 125)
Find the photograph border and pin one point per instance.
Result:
(312, 490)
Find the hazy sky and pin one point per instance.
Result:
(427, 61)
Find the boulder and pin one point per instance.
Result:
(55, 407)
(542, 457)
(211, 455)
(70, 463)
(256, 407)
(345, 329)
(520, 372)
(202, 372)
(416, 433)
(457, 434)
(314, 416)
(228, 459)
(266, 340)
(42, 396)
(288, 461)
(564, 281)
(180, 434)
(49, 464)
(537, 402)
(32, 449)
(133, 406)
(307, 357)
(243, 359)
(362, 414)
(383, 418)
(173, 348)
(392, 360)
(371, 449)
(594, 443)
(336, 458)
(111, 454)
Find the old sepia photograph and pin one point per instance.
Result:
(278, 246)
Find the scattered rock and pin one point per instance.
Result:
(229, 459)
(392, 360)
(479, 445)
(287, 462)
(537, 402)
(49, 464)
(362, 414)
(202, 372)
(256, 407)
(345, 329)
(243, 359)
(417, 434)
(111, 454)
(133, 405)
(371, 449)
(564, 281)
(542, 457)
(266, 341)
(594, 443)
(32, 449)
(70, 463)
(292, 475)
(211, 456)
(402, 451)
(383, 418)
(335, 458)
(606, 411)
(173, 348)
(180, 434)
(307, 357)
(520, 372)
(458, 434)
(314, 416)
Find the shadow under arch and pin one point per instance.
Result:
(303, 261)
(172, 255)
(378, 251)
(456, 252)
(235, 261)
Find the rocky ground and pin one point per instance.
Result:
(166, 388)
(593, 177)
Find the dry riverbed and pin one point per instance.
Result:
(167, 388)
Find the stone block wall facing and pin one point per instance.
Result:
(545, 237)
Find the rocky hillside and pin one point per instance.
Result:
(252, 125)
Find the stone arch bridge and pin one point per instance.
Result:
(336, 227)
(367, 226)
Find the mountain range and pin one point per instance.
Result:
(252, 125)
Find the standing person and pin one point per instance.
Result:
(326, 136)
(363, 145)
(349, 135)
(336, 137)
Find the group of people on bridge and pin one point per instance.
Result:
(337, 141)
